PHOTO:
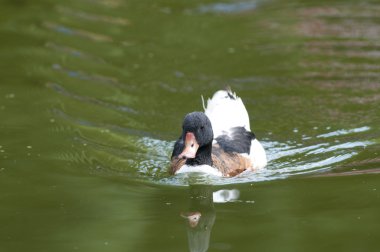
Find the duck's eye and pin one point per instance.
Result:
(202, 127)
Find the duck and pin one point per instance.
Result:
(218, 141)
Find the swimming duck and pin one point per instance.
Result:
(219, 140)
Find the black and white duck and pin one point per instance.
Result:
(218, 141)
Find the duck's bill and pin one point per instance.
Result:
(191, 147)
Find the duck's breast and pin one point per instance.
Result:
(230, 163)
(200, 169)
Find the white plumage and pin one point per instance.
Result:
(200, 168)
(225, 111)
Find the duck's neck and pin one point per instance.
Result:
(203, 156)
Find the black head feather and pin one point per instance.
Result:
(199, 124)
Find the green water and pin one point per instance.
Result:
(93, 93)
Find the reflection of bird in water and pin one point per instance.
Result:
(192, 217)
(200, 218)
(201, 215)
(223, 196)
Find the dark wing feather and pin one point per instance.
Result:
(238, 140)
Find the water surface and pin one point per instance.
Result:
(92, 97)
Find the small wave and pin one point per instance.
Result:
(344, 132)
(87, 99)
(148, 159)
(69, 31)
(228, 8)
(285, 160)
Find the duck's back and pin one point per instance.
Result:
(232, 132)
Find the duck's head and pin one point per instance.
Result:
(197, 133)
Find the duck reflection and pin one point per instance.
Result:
(200, 217)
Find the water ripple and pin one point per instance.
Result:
(111, 81)
(92, 17)
(228, 8)
(73, 52)
(285, 160)
(61, 90)
(77, 32)
(344, 132)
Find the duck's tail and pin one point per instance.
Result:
(225, 111)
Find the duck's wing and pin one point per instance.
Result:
(241, 145)
(237, 140)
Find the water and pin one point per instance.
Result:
(93, 93)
